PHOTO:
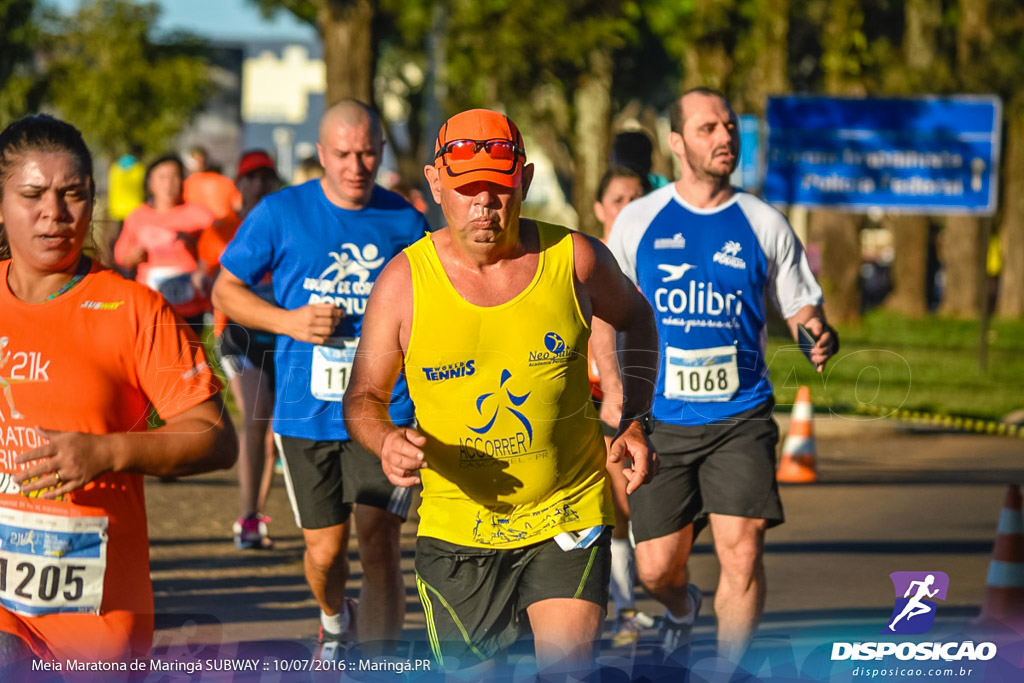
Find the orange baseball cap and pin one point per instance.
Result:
(479, 144)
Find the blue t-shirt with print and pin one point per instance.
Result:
(321, 253)
(706, 273)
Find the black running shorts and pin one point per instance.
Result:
(241, 348)
(724, 468)
(324, 479)
(475, 599)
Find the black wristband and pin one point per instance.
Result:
(645, 421)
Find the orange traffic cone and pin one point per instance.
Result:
(799, 454)
(1004, 595)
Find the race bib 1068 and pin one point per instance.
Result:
(701, 374)
(51, 564)
(332, 369)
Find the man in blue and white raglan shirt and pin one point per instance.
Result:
(704, 254)
(324, 243)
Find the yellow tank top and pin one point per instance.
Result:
(514, 448)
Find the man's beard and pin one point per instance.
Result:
(702, 172)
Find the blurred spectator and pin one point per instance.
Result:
(632, 149)
(412, 194)
(209, 188)
(125, 183)
(247, 358)
(619, 186)
(158, 242)
(309, 168)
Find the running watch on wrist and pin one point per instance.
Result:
(646, 422)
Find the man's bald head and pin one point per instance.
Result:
(351, 113)
(350, 151)
(677, 112)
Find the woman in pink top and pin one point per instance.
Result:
(158, 241)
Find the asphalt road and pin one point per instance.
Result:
(889, 499)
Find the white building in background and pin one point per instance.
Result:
(282, 100)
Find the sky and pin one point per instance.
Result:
(223, 19)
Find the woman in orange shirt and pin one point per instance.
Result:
(87, 356)
(158, 242)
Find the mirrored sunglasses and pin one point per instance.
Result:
(464, 150)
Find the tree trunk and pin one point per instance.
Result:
(1011, 231)
(910, 264)
(973, 38)
(923, 21)
(592, 103)
(910, 233)
(346, 28)
(838, 235)
(767, 75)
(961, 258)
(707, 64)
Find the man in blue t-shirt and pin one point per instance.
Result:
(705, 254)
(324, 243)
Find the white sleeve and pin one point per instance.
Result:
(630, 226)
(789, 273)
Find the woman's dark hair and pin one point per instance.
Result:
(614, 172)
(162, 159)
(40, 133)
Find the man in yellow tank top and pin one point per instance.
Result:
(489, 320)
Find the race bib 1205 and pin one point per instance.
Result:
(50, 563)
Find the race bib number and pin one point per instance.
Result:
(701, 374)
(51, 564)
(332, 369)
(174, 285)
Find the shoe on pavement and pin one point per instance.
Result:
(333, 646)
(627, 628)
(251, 533)
(675, 637)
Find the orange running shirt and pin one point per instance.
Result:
(170, 260)
(93, 360)
(215, 191)
(212, 244)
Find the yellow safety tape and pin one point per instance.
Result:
(950, 422)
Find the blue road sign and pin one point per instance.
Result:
(749, 172)
(924, 155)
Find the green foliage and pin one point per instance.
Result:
(894, 362)
(21, 89)
(109, 76)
